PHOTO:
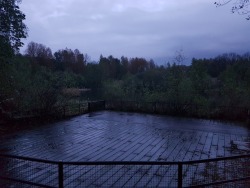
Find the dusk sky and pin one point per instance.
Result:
(137, 28)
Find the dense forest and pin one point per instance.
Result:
(37, 79)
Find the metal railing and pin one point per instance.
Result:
(217, 112)
(231, 171)
(79, 108)
(60, 111)
(186, 109)
(96, 105)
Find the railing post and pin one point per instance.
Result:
(88, 106)
(180, 175)
(60, 175)
(79, 108)
(64, 111)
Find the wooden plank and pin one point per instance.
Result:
(87, 138)
(221, 146)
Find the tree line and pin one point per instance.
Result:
(36, 79)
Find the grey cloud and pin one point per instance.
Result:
(146, 28)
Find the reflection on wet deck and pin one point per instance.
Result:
(114, 136)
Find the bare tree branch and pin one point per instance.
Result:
(242, 7)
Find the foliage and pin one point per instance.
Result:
(12, 28)
(70, 60)
(36, 81)
(113, 90)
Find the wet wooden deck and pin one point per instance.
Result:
(112, 136)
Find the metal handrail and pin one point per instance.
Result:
(180, 164)
(124, 162)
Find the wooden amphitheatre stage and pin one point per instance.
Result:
(119, 149)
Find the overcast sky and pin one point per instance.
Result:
(137, 28)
